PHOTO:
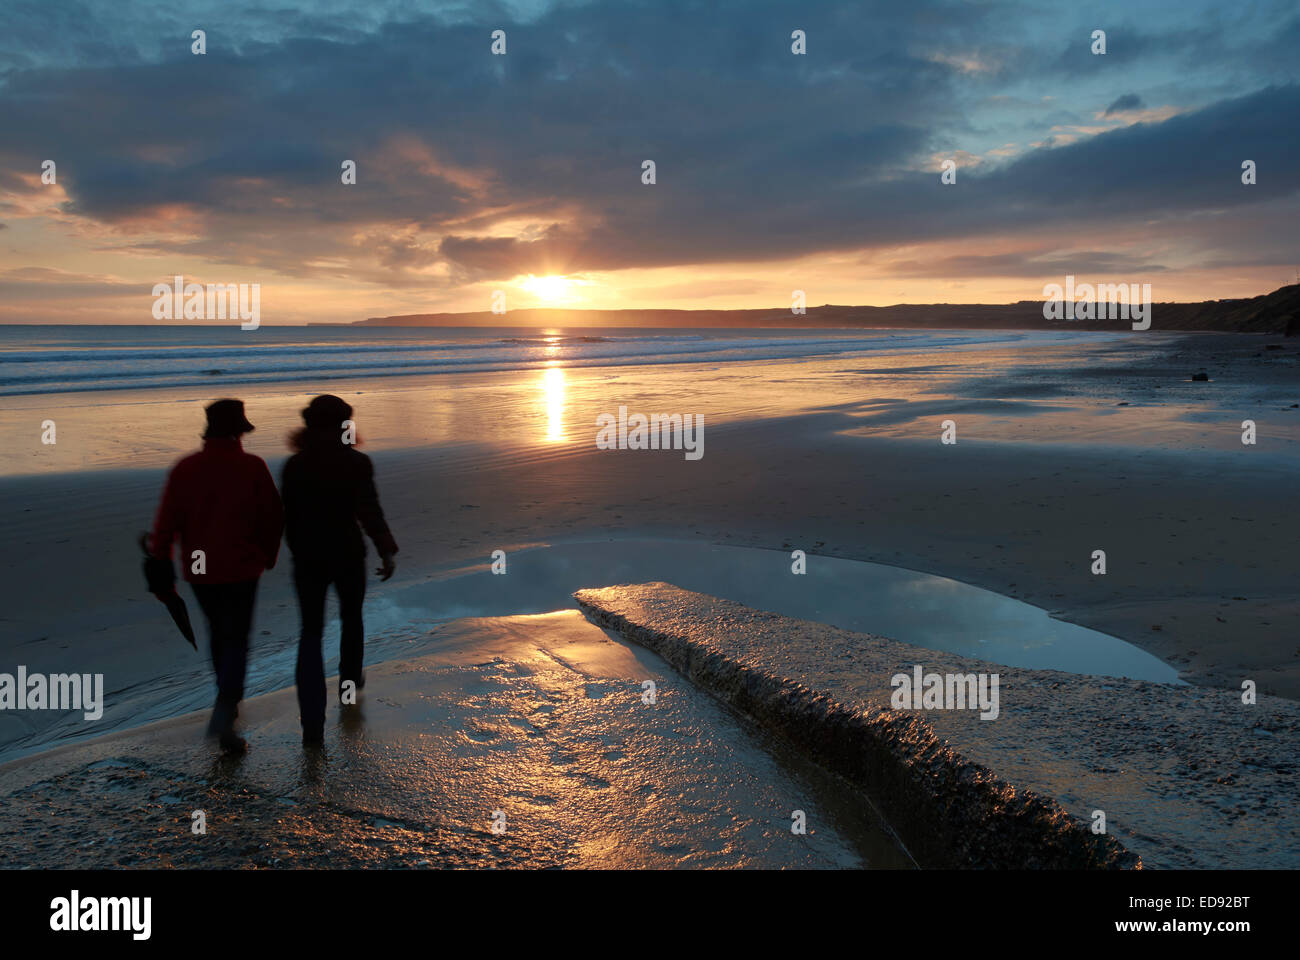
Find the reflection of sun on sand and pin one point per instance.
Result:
(553, 390)
(541, 717)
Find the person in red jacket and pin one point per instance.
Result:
(223, 506)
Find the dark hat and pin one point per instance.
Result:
(326, 412)
(226, 419)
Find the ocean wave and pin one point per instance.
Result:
(215, 356)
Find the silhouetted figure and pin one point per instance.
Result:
(222, 504)
(328, 489)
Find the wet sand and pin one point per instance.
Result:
(540, 718)
(1185, 777)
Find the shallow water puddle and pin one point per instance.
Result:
(911, 607)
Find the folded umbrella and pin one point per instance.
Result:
(161, 578)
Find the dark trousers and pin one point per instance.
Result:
(312, 581)
(229, 609)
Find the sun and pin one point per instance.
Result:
(549, 287)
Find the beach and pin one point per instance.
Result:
(1074, 445)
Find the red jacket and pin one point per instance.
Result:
(222, 501)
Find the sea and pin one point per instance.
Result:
(42, 359)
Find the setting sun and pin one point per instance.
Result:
(548, 288)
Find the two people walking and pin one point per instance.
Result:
(222, 505)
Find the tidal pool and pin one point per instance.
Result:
(917, 608)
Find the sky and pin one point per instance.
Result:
(522, 172)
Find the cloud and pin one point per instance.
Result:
(44, 283)
(1028, 265)
(475, 168)
(1129, 101)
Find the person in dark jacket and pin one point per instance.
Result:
(328, 489)
(222, 504)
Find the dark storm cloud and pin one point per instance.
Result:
(760, 154)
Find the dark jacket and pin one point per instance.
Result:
(222, 501)
(327, 492)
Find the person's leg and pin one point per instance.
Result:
(229, 611)
(210, 601)
(233, 665)
(350, 583)
(203, 593)
(311, 585)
